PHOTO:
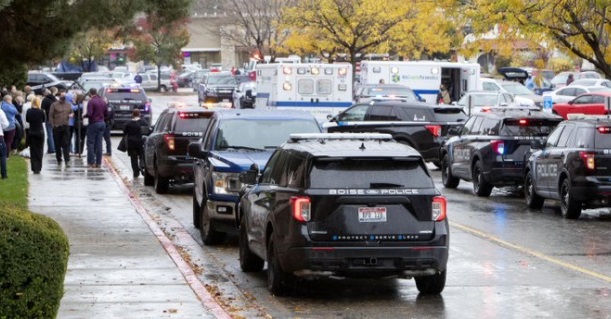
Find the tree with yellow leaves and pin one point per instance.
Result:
(356, 27)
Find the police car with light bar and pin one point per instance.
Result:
(492, 148)
(341, 204)
(122, 100)
(573, 166)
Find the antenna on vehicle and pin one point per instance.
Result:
(362, 146)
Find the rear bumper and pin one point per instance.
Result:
(365, 261)
(505, 174)
(179, 169)
(593, 192)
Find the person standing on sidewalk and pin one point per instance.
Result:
(132, 132)
(35, 116)
(59, 116)
(3, 125)
(110, 122)
(97, 112)
(47, 101)
(9, 132)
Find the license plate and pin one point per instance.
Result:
(372, 214)
(125, 108)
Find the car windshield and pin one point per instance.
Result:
(221, 80)
(390, 91)
(516, 88)
(527, 127)
(369, 173)
(270, 132)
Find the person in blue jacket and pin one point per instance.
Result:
(10, 111)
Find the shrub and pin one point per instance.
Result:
(33, 261)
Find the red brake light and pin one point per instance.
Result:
(498, 147)
(434, 129)
(588, 160)
(439, 208)
(604, 129)
(301, 208)
(523, 122)
(169, 141)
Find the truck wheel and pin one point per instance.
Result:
(533, 200)
(161, 184)
(277, 279)
(249, 262)
(481, 187)
(149, 180)
(448, 180)
(196, 211)
(571, 209)
(206, 229)
(431, 284)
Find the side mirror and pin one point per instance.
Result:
(536, 145)
(194, 150)
(250, 176)
(248, 94)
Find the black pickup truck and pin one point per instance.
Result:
(422, 126)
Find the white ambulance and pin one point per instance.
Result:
(424, 77)
(321, 89)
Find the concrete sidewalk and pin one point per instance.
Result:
(117, 266)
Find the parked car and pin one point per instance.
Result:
(245, 95)
(560, 79)
(588, 103)
(217, 87)
(122, 100)
(165, 149)
(485, 99)
(347, 205)
(420, 125)
(185, 79)
(39, 81)
(568, 93)
(492, 147)
(520, 75)
(368, 91)
(592, 82)
(522, 95)
(572, 166)
(234, 140)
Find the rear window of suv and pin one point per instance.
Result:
(450, 114)
(125, 95)
(528, 127)
(368, 173)
(192, 122)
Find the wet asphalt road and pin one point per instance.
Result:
(505, 262)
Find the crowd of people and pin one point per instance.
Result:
(60, 118)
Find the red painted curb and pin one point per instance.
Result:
(198, 287)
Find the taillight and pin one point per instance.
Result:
(169, 141)
(588, 160)
(301, 208)
(498, 147)
(434, 129)
(604, 130)
(439, 208)
(523, 122)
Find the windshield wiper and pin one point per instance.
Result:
(239, 147)
(384, 185)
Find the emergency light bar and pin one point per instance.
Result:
(581, 116)
(339, 136)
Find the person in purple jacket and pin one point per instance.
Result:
(96, 112)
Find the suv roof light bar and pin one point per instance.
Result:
(339, 136)
(581, 116)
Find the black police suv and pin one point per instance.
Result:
(350, 205)
(217, 87)
(122, 100)
(573, 165)
(419, 125)
(165, 149)
(492, 148)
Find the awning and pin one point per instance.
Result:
(200, 50)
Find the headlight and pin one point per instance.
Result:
(226, 183)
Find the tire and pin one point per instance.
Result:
(447, 179)
(481, 187)
(161, 184)
(149, 180)
(571, 209)
(207, 232)
(196, 211)
(431, 284)
(437, 164)
(249, 262)
(533, 200)
(277, 279)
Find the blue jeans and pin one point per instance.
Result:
(50, 142)
(3, 157)
(95, 135)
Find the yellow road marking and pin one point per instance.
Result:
(531, 252)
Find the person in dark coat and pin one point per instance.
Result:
(36, 134)
(132, 132)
